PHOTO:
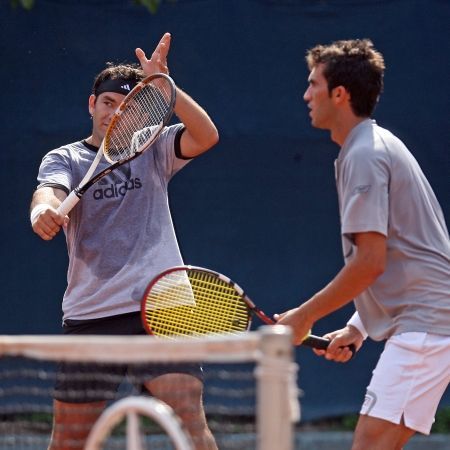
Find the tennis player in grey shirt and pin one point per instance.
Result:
(118, 238)
(381, 188)
(396, 249)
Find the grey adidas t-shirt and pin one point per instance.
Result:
(381, 188)
(120, 234)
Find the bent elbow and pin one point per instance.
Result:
(208, 140)
(214, 137)
(199, 146)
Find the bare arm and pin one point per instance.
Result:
(46, 221)
(356, 276)
(201, 133)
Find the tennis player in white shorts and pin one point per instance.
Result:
(396, 248)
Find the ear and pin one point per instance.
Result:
(92, 99)
(340, 94)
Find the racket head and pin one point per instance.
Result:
(140, 118)
(189, 301)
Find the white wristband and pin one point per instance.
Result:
(355, 321)
(36, 211)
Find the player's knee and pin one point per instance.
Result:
(367, 432)
(361, 442)
(378, 434)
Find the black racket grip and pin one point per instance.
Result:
(322, 343)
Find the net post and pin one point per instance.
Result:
(277, 395)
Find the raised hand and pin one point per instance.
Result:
(158, 61)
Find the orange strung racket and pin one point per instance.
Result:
(135, 126)
(193, 301)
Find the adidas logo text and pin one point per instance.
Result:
(117, 190)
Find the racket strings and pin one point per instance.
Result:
(223, 306)
(190, 303)
(144, 115)
(188, 321)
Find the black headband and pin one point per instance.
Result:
(119, 85)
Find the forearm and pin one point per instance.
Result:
(351, 281)
(201, 133)
(366, 265)
(48, 196)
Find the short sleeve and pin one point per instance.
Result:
(167, 161)
(55, 170)
(365, 192)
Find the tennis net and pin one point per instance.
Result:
(250, 392)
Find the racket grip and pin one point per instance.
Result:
(320, 343)
(68, 204)
(316, 342)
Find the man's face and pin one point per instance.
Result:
(102, 109)
(319, 100)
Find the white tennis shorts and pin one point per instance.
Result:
(409, 380)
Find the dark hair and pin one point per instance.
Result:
(355, 65)
(130, 72)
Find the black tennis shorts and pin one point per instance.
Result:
(89, 382)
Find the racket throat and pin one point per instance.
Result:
(78, 192)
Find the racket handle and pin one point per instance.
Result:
(320, 343)
(68, 204)
(316, 342)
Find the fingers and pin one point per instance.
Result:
(158, 59)
(339, 354)
(340, 349)
(140, 54)
(48, 224)
(164, 47)
(166, 38)
(159, 56)
(46, 234)
(319, 352)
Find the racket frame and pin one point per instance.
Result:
(311, 341)
(88, 180)
(251, 307)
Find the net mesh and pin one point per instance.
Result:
(194, 302)
(248, 388)
(140, 119)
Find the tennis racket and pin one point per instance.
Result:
(192, 301)
(135, 125)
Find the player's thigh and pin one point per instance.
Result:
(182, 391)
(409, 380)
(77, 412)
(378, 434)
